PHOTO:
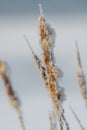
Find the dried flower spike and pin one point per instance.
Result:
(47, 41)
(14, 100)
(47, 68)
(81, 77)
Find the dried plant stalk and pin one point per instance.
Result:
(81, 77)
(77, 119)
(47, 67)
(65, 122)
(53, 121)
(61, 125)
(14, 100)
(47, 41)
(39, 64)
(46, 38)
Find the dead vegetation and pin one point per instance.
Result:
(49, 74)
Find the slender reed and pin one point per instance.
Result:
(77, 119)
(14, 100)
(81, 77)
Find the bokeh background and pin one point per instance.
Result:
(19, 17)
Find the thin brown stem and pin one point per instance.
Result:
(77, 119)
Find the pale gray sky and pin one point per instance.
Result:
(24, 7)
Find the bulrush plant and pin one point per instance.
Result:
(14, 100)
(47, 67)
(81, 77)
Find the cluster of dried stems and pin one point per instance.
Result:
(48, 69)
(50, 75)
(83, 89)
